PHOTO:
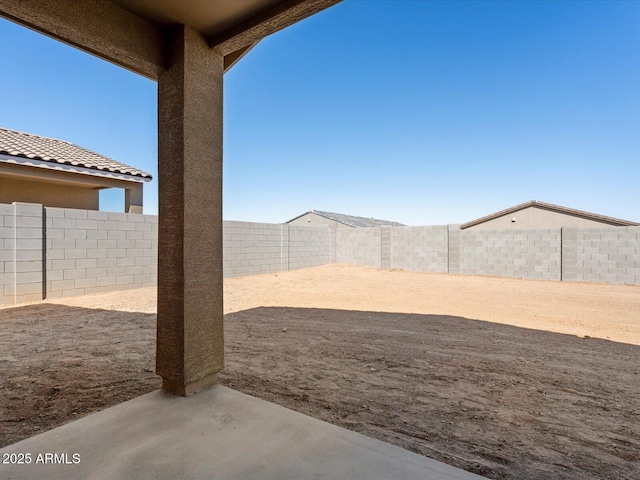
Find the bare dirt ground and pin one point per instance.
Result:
(506, 378)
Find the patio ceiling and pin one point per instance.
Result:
(130, 32)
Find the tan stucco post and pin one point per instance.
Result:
(190, 346)
(133, 198)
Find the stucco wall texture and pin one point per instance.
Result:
(66, 196)
(48, 252)
(531, 217)
(312, 219)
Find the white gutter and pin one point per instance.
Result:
(61, 167)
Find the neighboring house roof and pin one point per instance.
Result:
(51, 153)
(352, 221)
(553, 208)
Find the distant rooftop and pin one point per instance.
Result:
(59, 152)
(352, 221)
(553, 208)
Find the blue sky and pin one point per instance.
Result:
(422, 112)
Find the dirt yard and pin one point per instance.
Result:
(506, 378)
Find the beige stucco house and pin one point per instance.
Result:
(317, 217)
(536, 214)
(56, 173)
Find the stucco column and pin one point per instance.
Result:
(190, 346)
(133, 198)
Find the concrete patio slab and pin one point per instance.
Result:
(217, 434)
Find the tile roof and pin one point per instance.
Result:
(27, 145)
(353, 221)
(553, 208)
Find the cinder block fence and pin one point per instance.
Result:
(251, 248)
(53, 252)
(609, 255)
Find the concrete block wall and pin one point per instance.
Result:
(533, 254)
(252, 248)
(28, 237)
(6, 254)
(359, 246)
(453, 241)
(91, 252)
(310, 246)
(569, 254)
(385, 247)
(54, 252)
(609, 255)
(420, 249)
(21, 253)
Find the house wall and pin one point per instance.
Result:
(312, 219)
(533, 217)
(50, 194)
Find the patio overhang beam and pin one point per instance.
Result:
(132, 38)
(264, 24)
(101, 28)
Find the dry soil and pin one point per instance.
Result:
(506, 378)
